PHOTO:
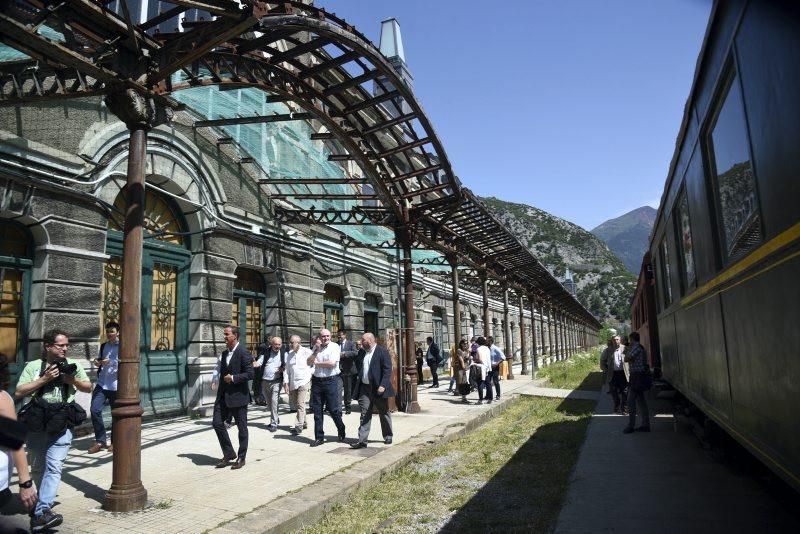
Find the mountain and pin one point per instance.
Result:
(628, 235)
(603, 284)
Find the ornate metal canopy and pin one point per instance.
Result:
(326, 73)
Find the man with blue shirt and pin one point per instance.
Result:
(105, 391)
(494, 374)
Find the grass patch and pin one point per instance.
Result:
(582, 371)
(508, 475)
(164, 504)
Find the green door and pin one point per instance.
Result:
(163, 338)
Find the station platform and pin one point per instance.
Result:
(664, 481)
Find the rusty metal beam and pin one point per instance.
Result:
(374, 101)
(210, 123)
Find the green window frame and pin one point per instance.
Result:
(16, 262)
(371, 314)
(249, 303)
(333, 308)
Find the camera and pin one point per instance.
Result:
(65, 368)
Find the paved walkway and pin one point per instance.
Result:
(190, 495)
(662, 482)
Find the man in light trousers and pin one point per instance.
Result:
(297, 380)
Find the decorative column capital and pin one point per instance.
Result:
(136, 110)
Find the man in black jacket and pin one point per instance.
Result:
(373, 389)
(347, 367)
(235, 370)
(433, 358)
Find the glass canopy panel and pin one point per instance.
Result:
(8, 53)
(282, 149)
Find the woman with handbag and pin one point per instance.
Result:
(460, 366)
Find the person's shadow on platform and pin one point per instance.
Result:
(200, 459)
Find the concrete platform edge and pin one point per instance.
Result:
(307, 506)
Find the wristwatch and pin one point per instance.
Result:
(27, 484)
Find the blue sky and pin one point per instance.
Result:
(570, 106)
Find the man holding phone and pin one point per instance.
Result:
(105, 391)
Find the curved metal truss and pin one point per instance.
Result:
(314, 61)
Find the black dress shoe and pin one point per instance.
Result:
(341, 438)
(317, 442)
(358, 445)
(642, 429)
(239, 464)
(347, 411)
(387, 440)
(225, 461)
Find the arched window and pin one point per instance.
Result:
(15, 263)
(333, 307)
(249, 297)
(161, 220)
(371, 303)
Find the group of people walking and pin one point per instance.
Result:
(627, 376)
(475, 365)
(304, 373)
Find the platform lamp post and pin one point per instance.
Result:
(127, 493)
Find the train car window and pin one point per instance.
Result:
(666, 287)
(685, 240)
(731, 171)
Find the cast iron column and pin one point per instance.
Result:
(507, 335)
(550, 330)
(534, 348)
(127, 493)
(558, 347)
(404, 237)
(542, 340)
(485, 294)
(522, 345)
(456, 300)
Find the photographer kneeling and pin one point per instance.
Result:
(52, 381)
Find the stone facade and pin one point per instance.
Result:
(62, 165)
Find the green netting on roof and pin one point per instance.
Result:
(282, 149)
(8, 53)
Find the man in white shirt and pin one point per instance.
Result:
(618, 383)
(105, 391)
(297, 380)
(373, 389)
(272, 362)
(325, 385)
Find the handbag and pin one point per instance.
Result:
(33, 414)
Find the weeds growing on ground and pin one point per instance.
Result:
(582, 371)
(508, 475)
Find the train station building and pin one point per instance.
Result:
(300, 188)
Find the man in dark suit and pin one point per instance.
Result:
(433, 358)
(373, 389)
(235, 370)
(347, 367)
